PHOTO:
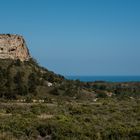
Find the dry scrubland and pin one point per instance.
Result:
(105, 119)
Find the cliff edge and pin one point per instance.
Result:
(13, 47)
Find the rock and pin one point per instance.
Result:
(95, 99)
(13, 47)
(50, 84)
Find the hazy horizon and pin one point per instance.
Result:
(78, 37)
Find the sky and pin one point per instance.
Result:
(78, 37)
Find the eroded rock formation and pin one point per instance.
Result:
(13, 47)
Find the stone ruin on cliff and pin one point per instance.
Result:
(13, 47)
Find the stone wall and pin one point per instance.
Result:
(13, 47)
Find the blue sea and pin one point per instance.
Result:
(105, 78)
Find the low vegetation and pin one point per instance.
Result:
(37, 104)
(105, 119)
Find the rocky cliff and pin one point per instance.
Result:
(13, 47)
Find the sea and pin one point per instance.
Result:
(105, 78)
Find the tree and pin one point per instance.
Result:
(21, 89)
(32, 82)
(18, 62)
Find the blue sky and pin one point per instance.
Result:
(78, 37)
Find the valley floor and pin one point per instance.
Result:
(104, 119)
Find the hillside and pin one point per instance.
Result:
(29, 80)
(25, 78)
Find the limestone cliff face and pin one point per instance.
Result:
(13, 47)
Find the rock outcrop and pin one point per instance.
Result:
(13, 47)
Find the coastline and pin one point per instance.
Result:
(105, 78)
